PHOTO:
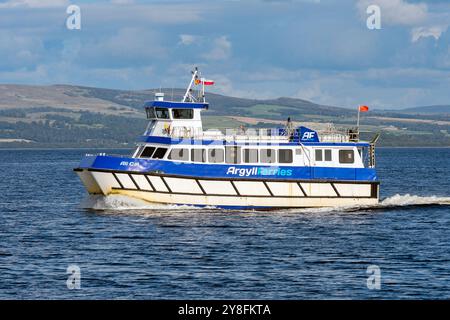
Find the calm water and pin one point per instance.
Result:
(133, 250)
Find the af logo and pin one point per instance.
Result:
(308, 135)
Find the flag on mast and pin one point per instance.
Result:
(363, 108)
(204, 82)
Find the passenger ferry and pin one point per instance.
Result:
(177, 162)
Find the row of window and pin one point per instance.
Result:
(219, 155)
(163, 113)
(234, 155)
(345, 156)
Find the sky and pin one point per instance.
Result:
(318, 50)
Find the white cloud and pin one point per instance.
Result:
(187, 39)
(423, 32)
(221, 49)
(396, 12)
(34, 3)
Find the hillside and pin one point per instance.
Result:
(77, 116)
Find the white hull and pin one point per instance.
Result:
(230, 193)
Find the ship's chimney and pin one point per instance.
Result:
(159, 96)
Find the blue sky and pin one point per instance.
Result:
(319, 50)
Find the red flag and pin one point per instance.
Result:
(207, 82)
(363, 108)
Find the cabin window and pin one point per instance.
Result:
(233, 154)
(159, 153)
(198, 155)
(346, 156)
(250, 155)
(298, 152)
(216, 155)
(328, 155)
(150, 113)
(162, 113)
(183, 113)
(285, 156)
(267, 156)
(147, 152)
(319, 156)
(179, 154)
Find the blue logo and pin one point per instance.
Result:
(308, 135)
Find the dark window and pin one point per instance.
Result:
(162, 113)
(250, 155)
(328, 155)
(150, 113)
(215, 155)
(198, 155)
(159, 153)
(285, 156)
(147, 153)
(267, 156)
(183, 113)
(319, 155)
(346, 156)
(233, 154)
(179, 154)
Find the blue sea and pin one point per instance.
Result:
(128, 249)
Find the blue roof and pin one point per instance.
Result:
(176, 105)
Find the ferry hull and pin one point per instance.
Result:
(230, 193)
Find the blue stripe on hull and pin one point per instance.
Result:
(226, 170)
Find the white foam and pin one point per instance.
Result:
(412, 200)
(121, 202)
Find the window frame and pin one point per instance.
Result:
(346, 151)
(182, 110)
(193, 150)
(285, 150)
(237, 154)
(145, 148)
(157, 150)
(247, 151)
(262, 159)
(185, 152)
(215, 150)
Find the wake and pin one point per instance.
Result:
(121, 203)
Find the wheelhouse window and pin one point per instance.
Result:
(150, 113)
(318, 154)
(183, 113)
(198, 155)
(267, 155)
(346, 156)
(285, 156)
(250, 155)
(328, 155)
(147, 152)
(216, 155)
(233, 154)
(159, 153)
(179, 154)
(162, 113)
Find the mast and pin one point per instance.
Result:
(188, 97)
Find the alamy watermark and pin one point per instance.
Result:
(73, 21)
(374, 279)
(374, 19)
(74, 279)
